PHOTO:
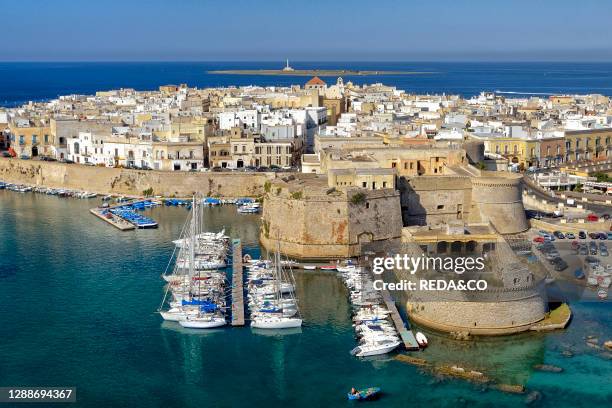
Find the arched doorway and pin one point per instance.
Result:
(34, 151)
(239, 164)
(456, 247)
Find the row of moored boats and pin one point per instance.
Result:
(195, 295)
(271, 294)
(375, 333)
(60, 192)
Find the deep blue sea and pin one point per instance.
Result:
(78, 301)
(22, 82)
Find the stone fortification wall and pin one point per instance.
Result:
(132, 182)
(490, 197)
(495, 311)
(311, 224)
(498, 198)
(435, 199)
(479, 318)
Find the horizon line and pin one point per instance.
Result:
(585, 61)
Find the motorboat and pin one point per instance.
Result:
(375, 348)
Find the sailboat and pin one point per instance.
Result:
(196, 293)
(280, 312)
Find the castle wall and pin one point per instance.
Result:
(430, 200)
(499, 200)
(435, 199)
(106, 180)
(479, 318)
(328, 226)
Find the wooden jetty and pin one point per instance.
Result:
(237, 284)
(406, 334)
(115, 221)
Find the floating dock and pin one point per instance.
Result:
(406, 334)
(237, 284)
(113, 220)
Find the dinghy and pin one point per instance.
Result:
(421, 339)
(363, 395)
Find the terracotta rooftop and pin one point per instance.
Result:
(315, 81)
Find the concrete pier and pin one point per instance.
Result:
(237, 284)
(113, 220)
(406, 334)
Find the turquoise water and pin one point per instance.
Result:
(78, 301)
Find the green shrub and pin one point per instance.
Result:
(358, 198)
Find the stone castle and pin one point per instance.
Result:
(426, 199)
(364, 196)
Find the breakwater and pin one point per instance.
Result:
(105, 180)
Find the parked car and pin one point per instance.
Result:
(603, 235)
(560, 265)
(570, 235)
(592, 248)
(575, 244)
(605, 216)
(559, 235)
(592, 218)
(594, 235)
(538, 239)
(582, 234)
(583, 250)
(609, 235)
(24, 157)
(48, 158)
(6, 154)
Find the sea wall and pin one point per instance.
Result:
(479, 318)
(106, 180)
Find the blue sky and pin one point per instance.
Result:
(431, 30)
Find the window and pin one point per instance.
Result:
(393, 165)
(46, 139)
(411, 166)
(440, 206)
(21, 139)
(34, 137)
(384, 184)
(364, 184)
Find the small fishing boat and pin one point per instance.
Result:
(421, 339)
(365, 394)
(328, 267)
(310, 267)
